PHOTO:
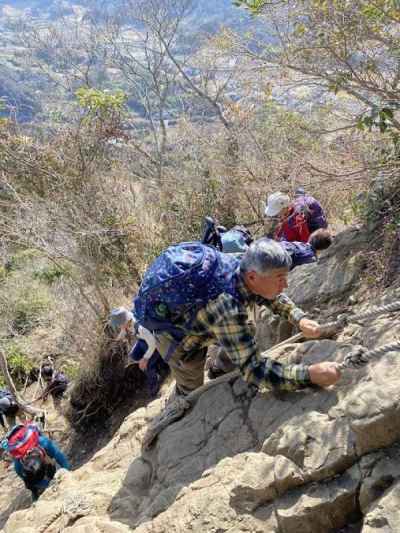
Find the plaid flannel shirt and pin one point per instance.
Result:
(225, 322)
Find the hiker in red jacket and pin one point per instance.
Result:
(298, 218)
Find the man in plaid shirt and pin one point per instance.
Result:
(225, 321)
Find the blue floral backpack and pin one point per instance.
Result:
(182, 280)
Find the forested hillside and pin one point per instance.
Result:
(52, 47)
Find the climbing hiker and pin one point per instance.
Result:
(297, 219)
(302, 253)
(144, 351)
(193, 296)
(35, 457)
(8, 408)
(56, 385)
(233, 241)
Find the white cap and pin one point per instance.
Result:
(275, 203)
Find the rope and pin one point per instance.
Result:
(362, 357)
(331, 327)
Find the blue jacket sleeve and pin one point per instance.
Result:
(138, 350)
(18, 468)
(54, 452)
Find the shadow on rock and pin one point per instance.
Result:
(225, 422)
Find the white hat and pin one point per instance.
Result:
(275, 203)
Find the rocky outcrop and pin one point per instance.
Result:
(337, 272)
(385, 513)
(313, 461)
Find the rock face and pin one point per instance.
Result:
(336, 273)
(314, 461)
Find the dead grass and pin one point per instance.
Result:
(104, 383)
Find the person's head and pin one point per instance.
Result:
(47, 372)
(320, 239)
(33, 461)
(277, 204)
(265, 267)
(121, 321)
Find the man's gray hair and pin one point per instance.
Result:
(264, 255)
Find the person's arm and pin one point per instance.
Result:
(228, 320)
(54, 452)
(18, 469)
(286, 308)
(148, 337)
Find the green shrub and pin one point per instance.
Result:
(71, 370)
(51, 273)
(22, 258)
(19, 364)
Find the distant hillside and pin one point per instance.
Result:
(205, 12)
(29, 92)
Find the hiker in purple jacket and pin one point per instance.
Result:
(306, 203)
(302, 253)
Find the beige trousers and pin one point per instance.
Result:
(188, 371)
